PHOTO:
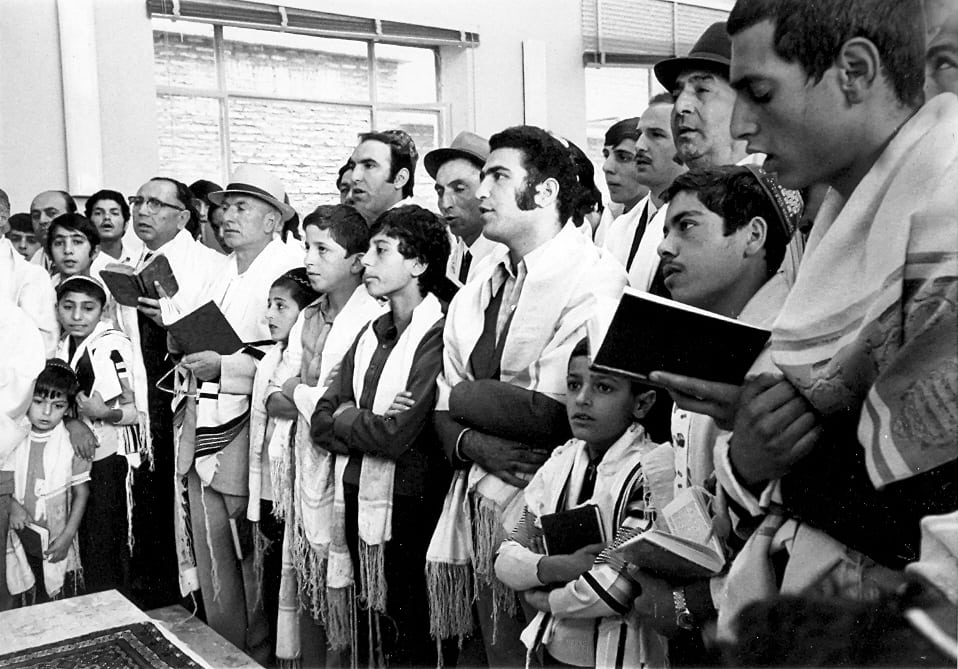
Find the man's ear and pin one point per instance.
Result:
(643, 404)
(183, 219)
(402, 177)
(756, 232)
(547, 193)
(356, 267)
(859, 66)
(418, 268)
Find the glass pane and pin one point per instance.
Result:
(183, 54)
(298, 66)
(302, 143)
(189, 134)
(423, 127)
(405, 74)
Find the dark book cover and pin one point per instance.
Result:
(650, 333)
(34, 539)
(565, 532)
(205, 329)
(127, 286)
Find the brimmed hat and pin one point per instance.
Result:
(466, 145)
(712, 51)
(255, 181)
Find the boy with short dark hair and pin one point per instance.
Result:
(103, 360)
(22, 236)
(376, 416)
(585, 604)
(51, 487)
(72, 242)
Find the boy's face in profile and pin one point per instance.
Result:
(328, 266)
(700, 263)
(45, 412)
(71, 251)
(600, 407)
(388, 271)
(26, 243)
(78, 314)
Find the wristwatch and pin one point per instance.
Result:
(683, 617)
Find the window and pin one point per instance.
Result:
(292, 103)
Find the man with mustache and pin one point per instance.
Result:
(384, 172)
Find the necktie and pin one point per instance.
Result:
(464, 266)
(639, 231)
(588, 482)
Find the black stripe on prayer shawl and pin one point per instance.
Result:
(620, 647)
(609, 600)
(211, 440)
(625, 493)
(250, 348)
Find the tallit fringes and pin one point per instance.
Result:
(372, 571)
(279, 471)
(145, 439)
(214, 571)
(450, 591)
(261, 544)
(340, 619)
(128, 485)
(489, 535)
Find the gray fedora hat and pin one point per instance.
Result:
(466, 145)
(712, 52)
(261, 184)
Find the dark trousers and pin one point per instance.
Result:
(404, 629)
(271, 530)
(6, 600)
(104, 550)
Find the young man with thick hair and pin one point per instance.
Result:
(866, 339)
(384, 172)
(508, 335)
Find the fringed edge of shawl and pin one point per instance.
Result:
(372, 573)
(450, 592)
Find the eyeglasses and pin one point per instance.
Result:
(152, 204)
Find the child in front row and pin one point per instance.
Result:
(102, 358)
(584, 598)
(51, 487)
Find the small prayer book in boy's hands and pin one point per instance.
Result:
(689, 550)
(35, 539)
(127, 285)
(650, 333)
(205, 329)
(565, 532)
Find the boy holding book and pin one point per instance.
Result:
(51, 487)
(376, 416)
(584, 598)
(102, 359)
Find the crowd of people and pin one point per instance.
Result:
(364, 479)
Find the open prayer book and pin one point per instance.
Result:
(205, 329)
(650, 333)
(689, 550)
(127, 285)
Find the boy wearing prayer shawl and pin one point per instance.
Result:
(855, 431)
(376, 416)
(336, 238)
(51, 487)
(584, 599)
(103, 361)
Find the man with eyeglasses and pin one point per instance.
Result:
(161, 210)
(45, 207)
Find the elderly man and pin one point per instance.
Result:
(160, 212)
(213, 448)
(856, 439)
(457, 169)
(43, 209)
(508, 336)
(384, 172)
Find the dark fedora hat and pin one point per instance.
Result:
(712, 52)
(466, 145)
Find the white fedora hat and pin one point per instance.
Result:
(254, 180)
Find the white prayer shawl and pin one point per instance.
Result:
(28, 286)
(480, 250)
(275, 441)
(377, 475)
(565, 278)
(58, 481)
(223, 406)
(619, 235)
(873, 336)
(22, 361)
(646, 261)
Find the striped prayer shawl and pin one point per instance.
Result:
(869, 327)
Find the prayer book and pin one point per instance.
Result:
(205, 329)
(650, 333)
(35, 539)
(688, 551)
(565, 532)
(127, 285)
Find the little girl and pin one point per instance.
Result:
(51, 487)
(270, 485)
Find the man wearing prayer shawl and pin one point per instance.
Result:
(212, 430)
(866, 338)
(161, 212)
(508, 336)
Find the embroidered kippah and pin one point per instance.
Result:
(299, 276)
(788, 203)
